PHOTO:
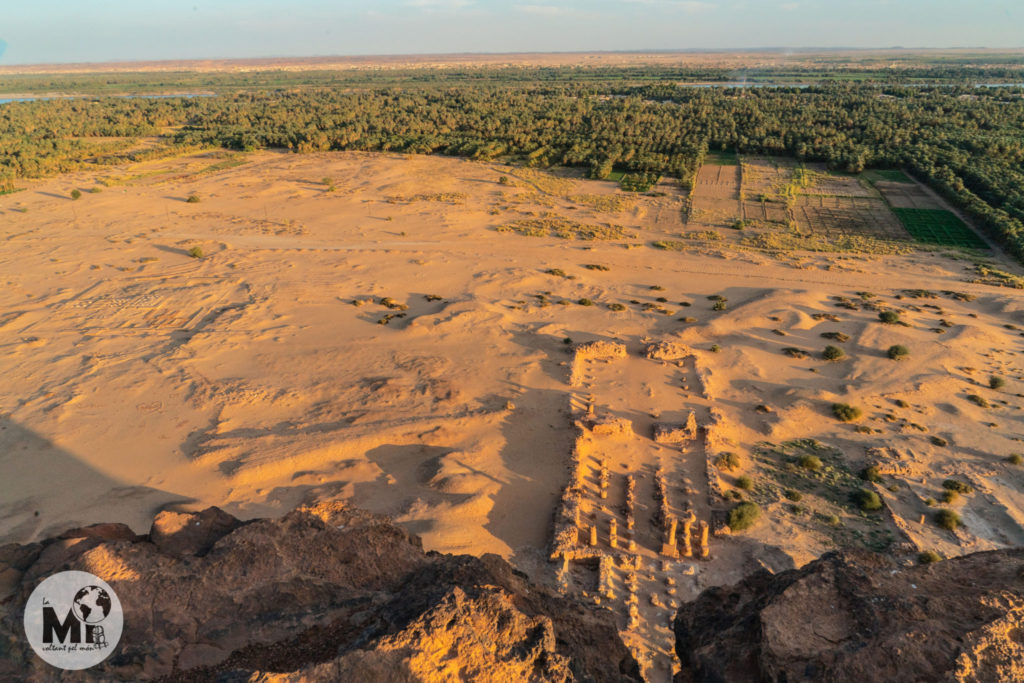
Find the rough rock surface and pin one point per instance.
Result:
(860, 617)
(323, 594)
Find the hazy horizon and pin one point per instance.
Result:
(62, 31)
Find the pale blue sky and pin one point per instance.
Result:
(100, 30)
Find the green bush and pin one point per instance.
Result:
(793, 495)
(720, 305)
(196, 252)
(889, 317)
(844, 412)
(714, 348)
(978, 400)
(745, 482)
(810, 462)
(950, 497)
(833, 353)
(996, 382)
(958, 486)
(898, 352)
(744, 515)
(1015, 459)
(867, 500)
(928, 557)
(948, 519)
(938, 441)
(585, 302)
(871, 474)
(616, 307)
(75, 194)
(193, 199)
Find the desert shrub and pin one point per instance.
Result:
(558, 272)
(193, 199)
(567, 340)
(898, 352)
(794, 352)
(714, 348)
(889, 317)
(837, 336)
(793, 495)
(938, 441)
(388, 302)
(743, 516)
(720, 305)
(871, 474)
(595, 266)
(958, 486)
(616, 307)
(745, 482)
(95, 190)
(503, 180)
(978, 400)
(656, 288)
(844, 412)
(1015, 459)
(996, 382)
(585, 302)
(810, 462)
(688, 319)
(867, 500)
(832, 520)
(950, 497)
(661, 300)
(833, 353)
(901, 403)
(196, 252)
(928, 557)
(727, 461)
(948, 519)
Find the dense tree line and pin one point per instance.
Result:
(966, 142)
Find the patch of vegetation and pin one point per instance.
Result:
(595, 266)
(938, 441)
(566, 229)
(809, 462)
(837, 336)
(794, 352)
(948, 519)
(958, 486)
(193, 199)
(388, 302)
(898, 352)
(996, 382)
(744, 515)
(866, 500)
(928, 557)
(871, 474)
(793, 495)
(889, 317)
(706, 235)
(727, 461)
(990, 275)
(719, 305)
(585, 302)
(978, 400)
(833, 353)
(76, 194)
(616, 307)
(558, 272)
(670, 245)
(844, 412)
(745, 482)
(714, 348)
(196, 252)
(949, 497)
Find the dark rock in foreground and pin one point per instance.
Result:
(859, 617)
(326, 593)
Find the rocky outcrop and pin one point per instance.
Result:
(324, 593)
(861, 617)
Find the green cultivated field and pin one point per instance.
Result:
(937, 226)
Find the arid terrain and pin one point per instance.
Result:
(412, 334)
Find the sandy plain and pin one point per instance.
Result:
(362, 328)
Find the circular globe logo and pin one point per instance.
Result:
(73, 620)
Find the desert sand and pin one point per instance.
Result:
(373, 328)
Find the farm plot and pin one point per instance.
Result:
(824, 183)
(907, 195)
(716, 195)
(938, 226)
(764, 184)
(835, 217)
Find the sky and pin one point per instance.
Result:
(54, 31)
